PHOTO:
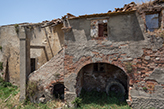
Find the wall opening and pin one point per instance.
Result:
(33, 61)
(102, 29)
(99, 67)
(152, 21)
(58, 91)
(99, 28)
(102, 77)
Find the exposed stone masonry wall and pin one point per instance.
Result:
(143, 62)
(143, 56)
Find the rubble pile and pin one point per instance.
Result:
(127, 7)
(52, 22)
(158, 1)
(152, 6)
(69, 15)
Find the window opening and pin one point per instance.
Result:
(152, 22)
(95, 67)
(99, 67)
(99, 28)
(102, 29)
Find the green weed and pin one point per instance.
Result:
(32, 88)
(129, 67)
(6, 89)
(16, 28)
(77, 101)
(145, 89)
(100, 100)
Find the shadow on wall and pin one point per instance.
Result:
(60, 34)
(7, 76)
(69, 35)
(49, 42)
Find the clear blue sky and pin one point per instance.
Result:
(34, 11)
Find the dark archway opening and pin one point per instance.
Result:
(58, 91)
(101, 82)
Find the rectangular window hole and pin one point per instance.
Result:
(152, 21)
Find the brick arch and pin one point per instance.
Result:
(81, 64)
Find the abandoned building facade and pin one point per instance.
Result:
(114, 51)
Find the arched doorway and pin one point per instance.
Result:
(102, 77)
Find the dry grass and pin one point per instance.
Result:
(13, 103)
(10, 103)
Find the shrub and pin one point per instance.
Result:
(57, 75)
(145, 89)
(32, 88)
(16, 28)
(129, 67)
(6, 84)
(77, 102)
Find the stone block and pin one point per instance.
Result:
(147, 58)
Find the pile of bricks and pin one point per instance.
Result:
(53, 23)
(127, 7)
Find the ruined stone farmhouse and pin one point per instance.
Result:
(120, 51)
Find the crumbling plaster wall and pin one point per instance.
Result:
(45, 43)
(126, 42)
(9, 54)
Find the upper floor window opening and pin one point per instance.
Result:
(99, 67)
(99, 28)
(152, 21)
